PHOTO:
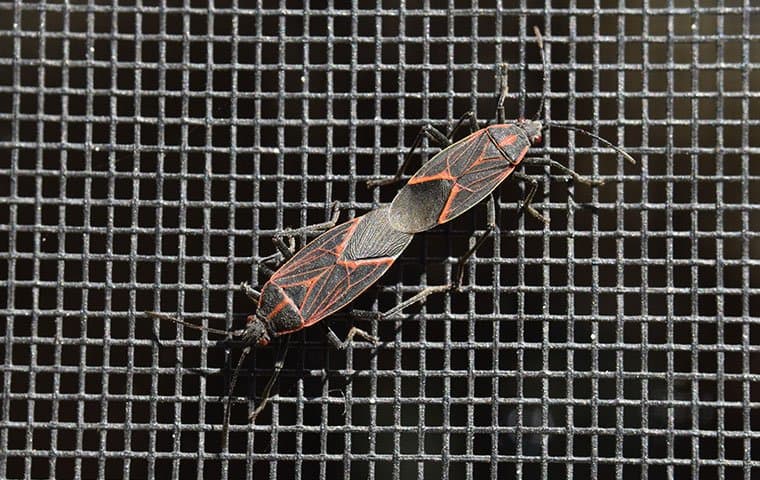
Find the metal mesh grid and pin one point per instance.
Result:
(150, 151)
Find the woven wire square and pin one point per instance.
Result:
(151, 151)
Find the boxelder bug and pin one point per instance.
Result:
(320, 279)
(465, 172)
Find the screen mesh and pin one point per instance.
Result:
(149, 152)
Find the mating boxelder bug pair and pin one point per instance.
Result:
(465, 172)
(321, 278)
(336, 267)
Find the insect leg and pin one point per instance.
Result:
(418, 298)
(266, 395)
(554, 164)
(290, 233)
(286, 251)
(268, 271)
(473, 124)
(428, 131)
(478, 243)
(341, 345)
(326, 225)
(504, 86)
(370, 315)
(250, 292)
(526, 204)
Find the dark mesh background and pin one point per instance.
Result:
(148, 153)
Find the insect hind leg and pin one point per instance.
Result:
(527, 203)
(339, 344)
(436, 137)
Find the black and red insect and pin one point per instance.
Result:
(465, 172)
(324, 276)
(317, 281)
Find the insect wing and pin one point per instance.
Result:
(313, 260)
(458, 178)
(478, 172)
(339, 265)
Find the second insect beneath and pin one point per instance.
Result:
(332, 270)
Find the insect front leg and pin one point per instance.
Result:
(433, 134)
(266, 396)
(250, 292)
(472, 122)
(286, 250)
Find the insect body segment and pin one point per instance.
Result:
(461, 175)
(318, 280)
(330, 272)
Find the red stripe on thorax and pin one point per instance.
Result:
(285, 301)
(508, 140)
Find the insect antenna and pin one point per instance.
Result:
(597, 137)
(540, 41)
(163, 316)
(233, 382)
(504, 89)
